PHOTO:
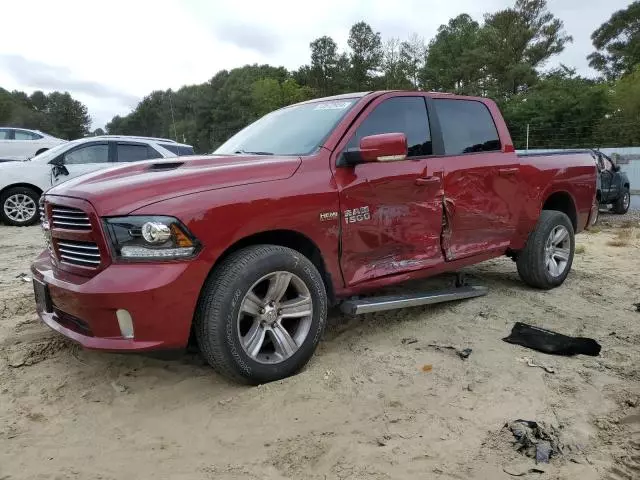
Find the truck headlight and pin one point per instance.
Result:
(150, 238)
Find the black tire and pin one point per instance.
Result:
(218, 312)
(11, 193)
(532, 260)
(621, 205)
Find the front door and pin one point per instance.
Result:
(480, 181)
(83, 159)
(391, 212)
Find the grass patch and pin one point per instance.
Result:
(629, 224)
(594, 229)
(580, 249)
(623, 236)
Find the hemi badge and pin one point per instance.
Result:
(325, 216)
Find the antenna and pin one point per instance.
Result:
(173, 119)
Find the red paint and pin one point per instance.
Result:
(375, 147)
(491, 199)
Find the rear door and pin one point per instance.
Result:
(25, 143)
(391, 219)
(480, 180)
(84, 158)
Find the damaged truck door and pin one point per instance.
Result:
(400, 194)
(480, 177)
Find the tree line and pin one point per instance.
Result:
(503, 56)
(57, 113)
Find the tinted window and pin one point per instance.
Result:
(406, 115)
(4, 134)
(89, 154)
(178, 149)
(295, 130)
(22, 135)
(128, 152)
(467, 126)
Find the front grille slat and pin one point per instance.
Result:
(70, 218)
(84, 254)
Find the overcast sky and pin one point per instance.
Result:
(110, 54)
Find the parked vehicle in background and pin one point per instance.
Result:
(311, 205)
(22, 183)
(22, 144)
(614, 187)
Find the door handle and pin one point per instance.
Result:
(507, 172)
(424, 181)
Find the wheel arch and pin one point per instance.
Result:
(562, 201)
(21, 185)
(286, 238)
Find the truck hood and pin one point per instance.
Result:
(121, 190)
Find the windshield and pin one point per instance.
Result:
(52, 152)
(295, 130)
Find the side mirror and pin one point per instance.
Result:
(385, 147)
(616, 168)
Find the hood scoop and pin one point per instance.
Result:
(159, 167)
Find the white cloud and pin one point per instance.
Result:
(109, 54)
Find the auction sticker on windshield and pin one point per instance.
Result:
(332, 105)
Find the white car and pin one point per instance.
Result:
(22, 144)
(22, 183)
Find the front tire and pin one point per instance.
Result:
(19, 206)
(547, 257)
(621, 205)
(261, 314)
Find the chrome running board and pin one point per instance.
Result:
(391, 302)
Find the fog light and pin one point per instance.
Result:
(126, 323)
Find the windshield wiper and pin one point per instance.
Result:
(253, 153)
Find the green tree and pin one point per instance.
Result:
(452, 61)
(617, 43)
(516, 41)
(562, 110)
(622, 125)
(66, 117)
(366, 56)
(324, 65)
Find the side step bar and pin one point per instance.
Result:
(391, 302)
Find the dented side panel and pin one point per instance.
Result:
(390, 224)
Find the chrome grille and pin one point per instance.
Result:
(69, 218)
(84, 254)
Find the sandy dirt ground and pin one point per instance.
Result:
(364, 408)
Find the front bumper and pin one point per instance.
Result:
(161, 299)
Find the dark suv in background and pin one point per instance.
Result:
(613, 184)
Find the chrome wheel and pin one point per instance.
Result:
(20, 208)
(626, 200)
(275, 317)
(557, 251)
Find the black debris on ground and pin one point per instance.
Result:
(536, 439)
(547, 341)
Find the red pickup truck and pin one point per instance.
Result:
(312, 204)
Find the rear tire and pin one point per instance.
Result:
(547, 257)
(246, 324)
(621, 205)
(19, 206)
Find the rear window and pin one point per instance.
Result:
(128, 152)
(467, 126)
(179, 150)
